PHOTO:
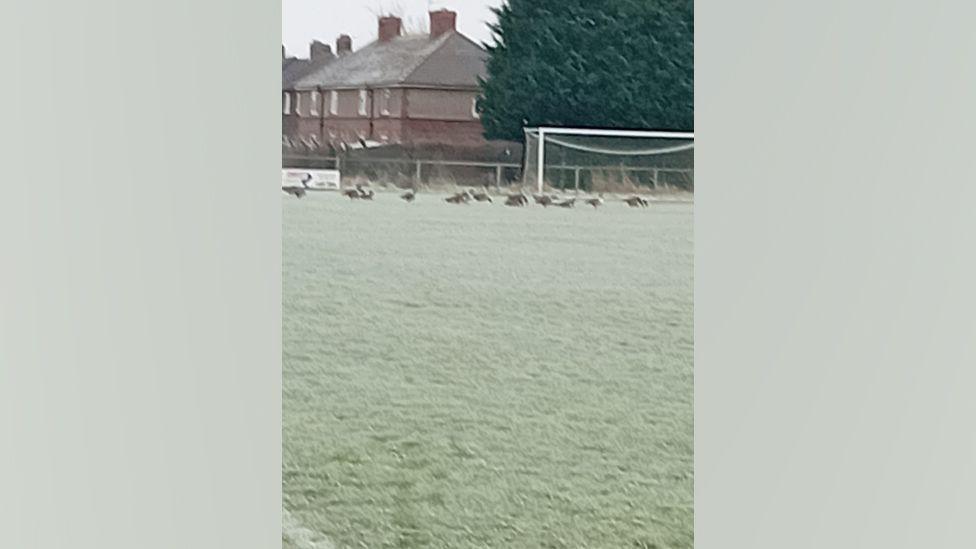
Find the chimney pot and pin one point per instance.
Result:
(389, 28)
(343, 44)
(442, 22)
(320, 51)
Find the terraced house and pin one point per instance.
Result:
(399, 89)
(293, 68)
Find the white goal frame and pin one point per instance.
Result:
(542, 131)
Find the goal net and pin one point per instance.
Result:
(590, 160)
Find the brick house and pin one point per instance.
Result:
(399, 89)
(294, 68)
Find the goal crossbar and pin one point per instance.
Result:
(612, 152)
(612, 133)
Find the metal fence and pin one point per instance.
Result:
(588, 178)
(410, 171)
(407, 172)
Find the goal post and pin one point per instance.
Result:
(601, 160)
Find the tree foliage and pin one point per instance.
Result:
(590, 63)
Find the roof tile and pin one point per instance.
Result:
(448, 60)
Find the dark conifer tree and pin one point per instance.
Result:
(590, 63)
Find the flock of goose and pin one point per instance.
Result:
(359, 193)
(518, 199)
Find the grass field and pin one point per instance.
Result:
(482, 376)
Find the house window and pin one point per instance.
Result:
(314, 107)
(334, 103)
(385, 103)
(286, 109)
(362, 102)
(474, 108)
(298, 103)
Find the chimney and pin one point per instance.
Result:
(343, 44)
(320, 51)
(389, 28)
(442, 22)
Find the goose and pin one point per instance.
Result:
(595, 202)
(482, 196)
(543, 200)
(517, 200)
(636, 202)
(361, 192)
(409, 196)
(299, 192)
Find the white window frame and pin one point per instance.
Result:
(313, 109)
(385, 104)
(298, 103)
(334, 102)
(286, 108)
(474, 108)
(362, 102)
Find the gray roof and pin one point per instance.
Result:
(293, 68)
(450, 60)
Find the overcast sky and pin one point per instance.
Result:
(306, 20)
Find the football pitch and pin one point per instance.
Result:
(462, 376)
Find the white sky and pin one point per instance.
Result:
(305, 20)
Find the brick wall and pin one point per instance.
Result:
(440, 104)
(444, 132)
(391, 99)
(402, 115)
